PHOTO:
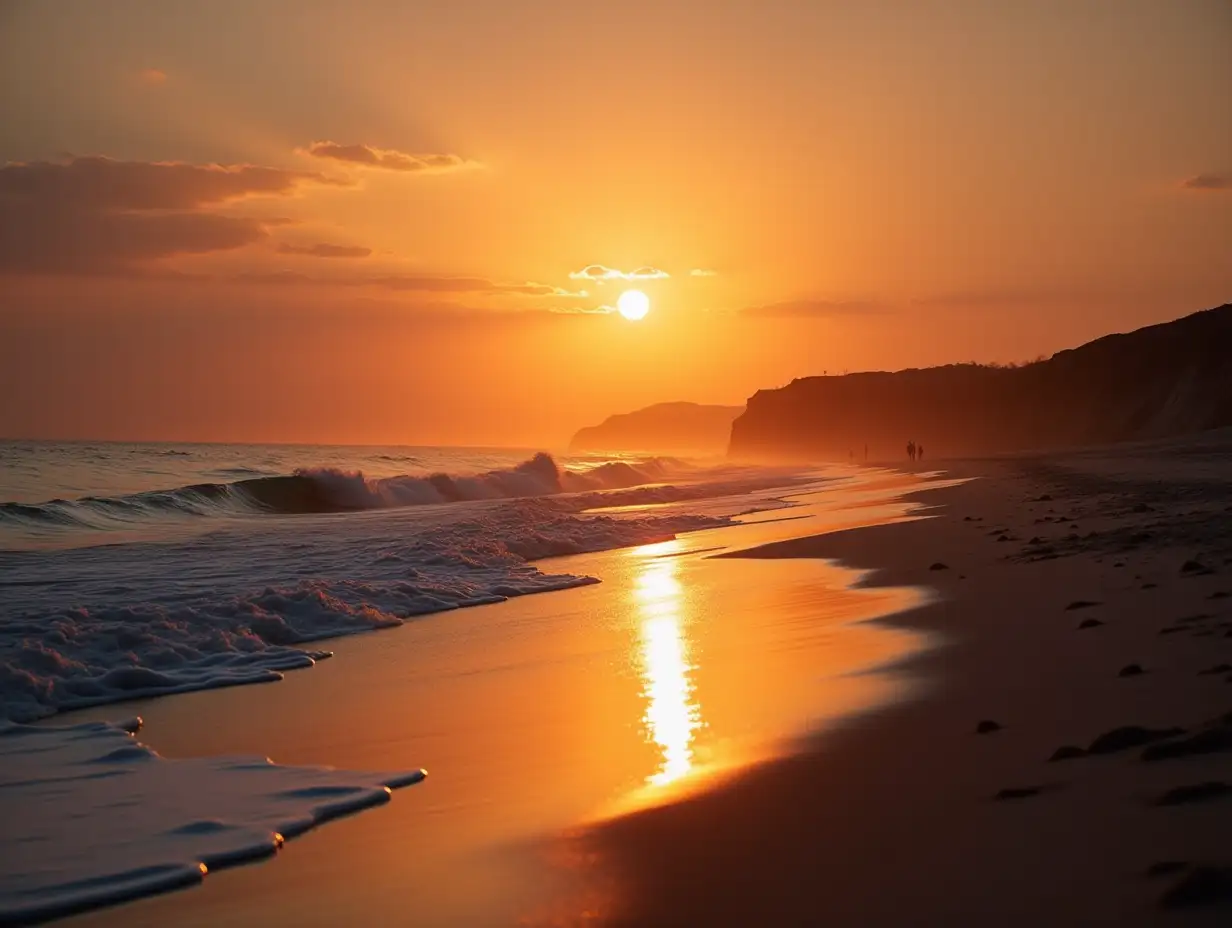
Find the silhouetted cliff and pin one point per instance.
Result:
(1162, 380)
(662, 427)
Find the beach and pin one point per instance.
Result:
(1060, 576)
(543, 713)
(852, 720)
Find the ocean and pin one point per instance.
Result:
(144, 569)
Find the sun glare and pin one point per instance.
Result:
(633, 304)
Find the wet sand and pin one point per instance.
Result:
(541, 714)
(1080, 595)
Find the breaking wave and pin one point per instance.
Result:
(326, 490)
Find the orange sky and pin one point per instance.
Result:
(368, 221)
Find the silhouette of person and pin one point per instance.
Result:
(919, 452)
(911, 450)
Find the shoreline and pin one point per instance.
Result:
(538, 713)
(908, 814)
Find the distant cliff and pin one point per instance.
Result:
(1167, 379)
(674, 427)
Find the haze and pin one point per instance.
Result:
(409, 222)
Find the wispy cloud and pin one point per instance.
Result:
(97, 215)
(1208, 182)
(325, 250)
(408, 283)
(703, 272)
(805, 309)
(599, 272)
(584, 310)
(388, 159)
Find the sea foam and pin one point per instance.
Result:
(93, 817)
(85, 626)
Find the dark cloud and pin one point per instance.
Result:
(325, 250)
(101, 183)
(96, 215)
(1208, 182)
(387, 158)
(806, 309)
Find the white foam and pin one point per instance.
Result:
(93, 817)
(85, 626)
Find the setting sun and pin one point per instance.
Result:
(633, 304)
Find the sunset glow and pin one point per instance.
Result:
(633, 305)
(672, 714)
(386, 230)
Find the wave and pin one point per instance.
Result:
(331, 490)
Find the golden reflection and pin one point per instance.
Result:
(672, 714)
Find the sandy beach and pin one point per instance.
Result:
(1079, 595)
(776, 781)
(541, 714)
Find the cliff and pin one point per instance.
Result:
(1163, 380)
(674, 427)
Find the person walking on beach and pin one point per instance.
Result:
(911, 450)
(919, 452)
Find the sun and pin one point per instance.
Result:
(633, 304)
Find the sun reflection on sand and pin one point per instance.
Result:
(672, 714)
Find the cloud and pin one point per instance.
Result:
(703, 272)
(1208, 182)
(583, 310)
(413, 284)
(325, 250)
(152, 76)
(388, 159)
(96, 215)
(1007, 298)
(811, 309)
(599, 272)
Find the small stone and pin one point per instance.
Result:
(1197, 792)
(1218, 668)
(1131, 670)
(1018, 792)
(1130, 736)
(1209, 741)
(987, 726)
(1089, 623)
(1201, 886)
(937, 565)
(1081, 604)
(1067, 752)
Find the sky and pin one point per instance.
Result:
(404, 222)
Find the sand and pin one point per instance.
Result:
(926, 795)
(537, 714)
(1059, 575)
